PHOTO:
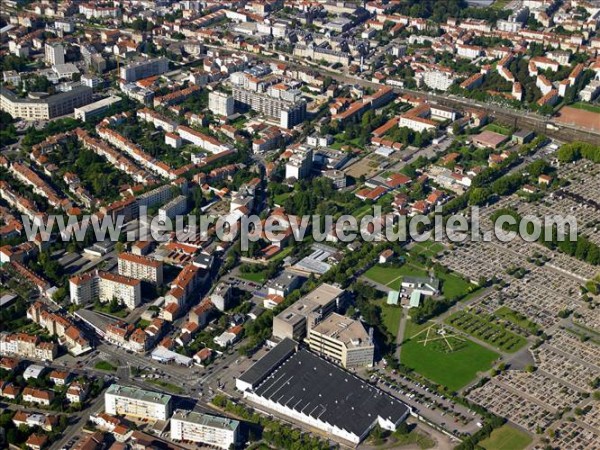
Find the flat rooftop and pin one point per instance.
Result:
(344, 329)
(313, 386)
(138, 394)
(208, 420)
(265, 365)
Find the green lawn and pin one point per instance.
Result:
(500, 4)
(281, 198)
(391, 316)
(105, 365)
(453, 285)
(256, 277)
(451, 368)
(586, 107)
(498, 129)
(506, 438)
(174, 389)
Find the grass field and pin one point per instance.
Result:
(105, 365)
(586, 107)
(454, 285)
(483, 328)
(451, 368)
(174, 389)
(391, 316)
(500, 4)
(498, 129)
(256, 277)
(506, 438)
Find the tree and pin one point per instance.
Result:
(479, 196)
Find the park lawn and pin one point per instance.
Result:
(586, 107)
(256, 277)
(282, 254)
(105, 365)
(453, 285)
(454, 369)
(506, 438)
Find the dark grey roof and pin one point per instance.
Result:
(311, 385)
(268, 363)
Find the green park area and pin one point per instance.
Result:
(443, 356)
(506, 438)
(485, 328)
(496, 128)
(391, 315)
(427, 248)
(392, 276)
(105, 365)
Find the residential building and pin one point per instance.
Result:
(27, 346)
(173, 208)
(94, 109)
(105, 286)
(191, 426)
(144, 69)
(137, 403)
(54, 53)
(289, 111)
(220, 103)
(141, 267)
(299, 164)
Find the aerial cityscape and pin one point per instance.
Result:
(309, 225)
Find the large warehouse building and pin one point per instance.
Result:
(318, 393)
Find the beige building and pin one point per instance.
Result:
(138, 403)
(343, 340)
(141, 268)
(105, 286)
(296, 320)
(191, 426)
(27, 346)
(44, 107)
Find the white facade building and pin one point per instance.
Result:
(204, 428)
(138, 403)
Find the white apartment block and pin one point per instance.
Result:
(141, 268)
(156, 196)
(220, 103)
(175, 207)
(299, 164)
(105, 286)
(54, 54)
(206, 429)
(439, 80)
(343, 340)
(144, 69)
(137, 403)
(202, 140)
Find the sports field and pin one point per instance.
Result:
(506, 438)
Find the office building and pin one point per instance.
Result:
(144, 69)
(191, 426)
(141, 268)
(44, 107)
(54, 53)
(342, 340)
(296, 321)
(137, 403)
(220, 103)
